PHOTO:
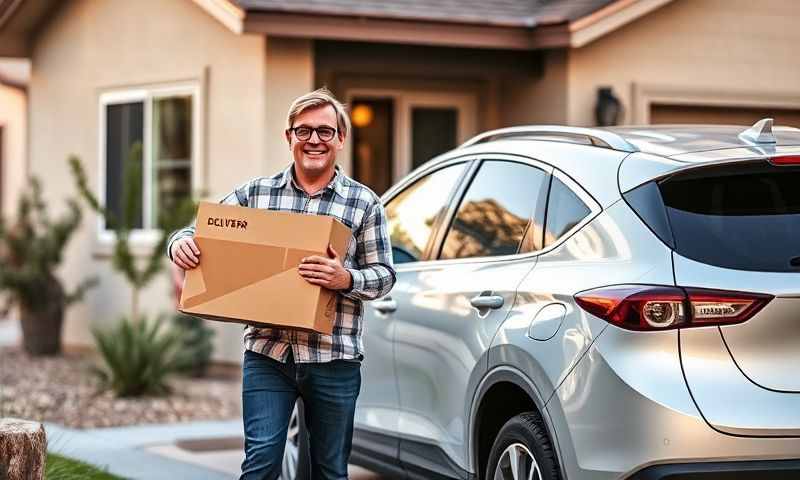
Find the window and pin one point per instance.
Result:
(413, 212)
(153, 134)
(564, 211)
(744, 216)
(496, 211)
(433, 132)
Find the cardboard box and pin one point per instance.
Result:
(248, 267)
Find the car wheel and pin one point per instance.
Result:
(295, 464)
(522, 451)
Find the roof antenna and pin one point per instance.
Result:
(761, 132)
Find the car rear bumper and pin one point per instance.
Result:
(758, 470)
(626, 407)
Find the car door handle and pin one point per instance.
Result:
(385, 305)
(487, 301)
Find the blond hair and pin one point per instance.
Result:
(316, 99)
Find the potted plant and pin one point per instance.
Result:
(31, 249)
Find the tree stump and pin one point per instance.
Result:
(23, 449)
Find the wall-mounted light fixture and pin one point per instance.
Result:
(362, 115)
(608, 109)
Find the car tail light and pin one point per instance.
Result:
(648, 307)
(786, 160)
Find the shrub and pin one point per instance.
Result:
(196, 342)
(139, 357)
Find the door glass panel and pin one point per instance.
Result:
(413, 212)
(124, 134)
(172, 153)
(495, 212)
(564, 211)
(373, 142)
(433, 132)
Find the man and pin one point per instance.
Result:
(281, 364)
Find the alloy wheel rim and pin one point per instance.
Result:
(517, 463)
(291, 454)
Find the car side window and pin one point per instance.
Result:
(564, 211)
(496, 211)
(412, 213)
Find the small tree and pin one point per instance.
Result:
(123, 259)
(30, 250)
(139, 356)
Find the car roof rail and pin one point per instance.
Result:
(556, 133)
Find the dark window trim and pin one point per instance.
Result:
(593, 212)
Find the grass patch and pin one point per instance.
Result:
(62, 468)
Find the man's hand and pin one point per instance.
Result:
(185, 253)
(325, 272)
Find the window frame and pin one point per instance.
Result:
(410, 181)
(149, 234)
(436, 241)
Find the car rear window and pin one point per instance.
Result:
(744, 216)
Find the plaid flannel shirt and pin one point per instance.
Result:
(368, 259)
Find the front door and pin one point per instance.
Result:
(396, 131)
(449, 308)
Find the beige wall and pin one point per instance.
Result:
(728, 52)
(536, 100)
(92, 47)
(12, 121)
(290, 73)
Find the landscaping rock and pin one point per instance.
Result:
(62, 390)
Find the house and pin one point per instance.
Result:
(204, 85)
(14, 74)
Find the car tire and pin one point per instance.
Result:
(296, 462)
(525, 439)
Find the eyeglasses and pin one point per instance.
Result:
(303, 133)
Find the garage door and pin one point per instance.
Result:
(721, 115)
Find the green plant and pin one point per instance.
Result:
(30, 251)
(169, 219)
(140, 357)
(196, 341)
(62, 468)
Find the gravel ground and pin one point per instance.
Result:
(61, 390)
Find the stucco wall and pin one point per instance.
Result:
(12, 121)
(93, 46)
(536, 99)
(290, 73)
(734, 52)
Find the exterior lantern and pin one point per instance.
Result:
(608, 108)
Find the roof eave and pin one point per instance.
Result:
(419, 32)
(226, 12)
(609, 18)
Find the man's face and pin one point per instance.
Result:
(314, 156)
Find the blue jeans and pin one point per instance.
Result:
(269, 391)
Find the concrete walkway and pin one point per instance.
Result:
(153, 452)
(133, 452)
